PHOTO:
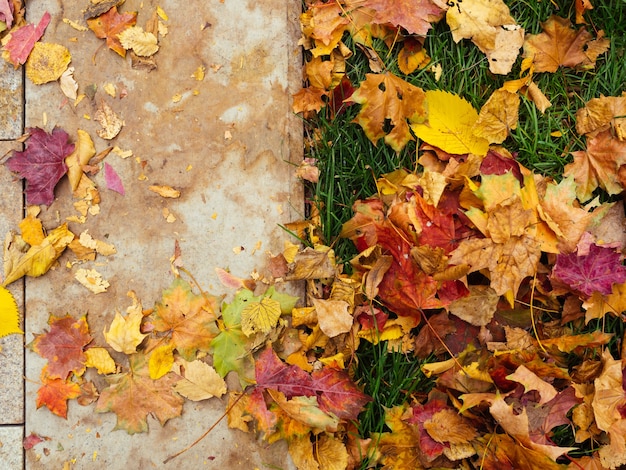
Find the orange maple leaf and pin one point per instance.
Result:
(598, 165)
(559, 45)
(416, 16)
(55, 392)
(386, 98)
(109, 25)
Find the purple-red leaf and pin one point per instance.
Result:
(23, 40)
(42, 164)
(338, 394)
(596, 271)
(6, 13)
(113, 180)
(271, 372)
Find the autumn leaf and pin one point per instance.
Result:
(124, 334)
(9, 314)
(110, 122)
(399, 449)
(22, 41)
(325, 23)
(142, 43)
(80, 156)
(498, 116)
(450, 123)
(42, 163)
(337, 393)
(113, 180)
(600, 114)
(39, 258)
(333, 316)
(385, 97)
(54, 393)
(187, 319)
(6, 13)
(531, 381)
(47, 62)
(133, 395)
(595, 271)
(161, 361)
(100, 359)
(200, 381)
(260, 316)
(490, 26)
(109, 25)
(414, 16)
(63, 346)
(478, 307)
(272, 373)
(559, 45)
(543, 419)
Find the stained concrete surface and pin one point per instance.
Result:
(228, 143)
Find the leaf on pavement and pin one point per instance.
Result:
(387, 98)
(450, 123)
(110, 122)
(142, 43)
(80, 156)
(22, 41)
(186, 318)
(109, 25)
(47, 62)
(9, 314)
(42, 163)
(54, 393)
(596, 271)
(6, 13)
(113, 180)
(489, 24)
(133, 395)
(559, 45)
(124, 334)
(100, 359)
(39, 258)
(161, 361)
(63, 346)
(200, 381)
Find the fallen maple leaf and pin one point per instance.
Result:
(600, 114)
(6, 13)
(124, 334)
(490, 26)
(385, 97)
(416, 17)
(596, 271)
(109, 25)
(54, 393)
(22, 41)
(133, 395)
(63, 346)
(42, 164)
(325, 23)
(337, 393)
(187, 319)
(559, 45)
(399, 448)
(449, 125)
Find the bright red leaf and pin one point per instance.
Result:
(23, 40)
(42, 164)
(596, 271)
(54, 393)
(63, 346)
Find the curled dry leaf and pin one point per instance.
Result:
(165, 191)
(110, 122)
(142, 43)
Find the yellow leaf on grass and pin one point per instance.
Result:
(39, 258)
(9, 314)
(100, 359)
(498, 116)
(260, 316)
(200, 382)
(124, 334)
(142, 43)
(161, 361)
(450, 125)
(83, 151)
(47, 62)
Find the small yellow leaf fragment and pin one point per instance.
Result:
(75, 25)
(161, 361)
(87, 116)
(214, 215)
(9, 314)
(92, 280)
(165, 191)
(162, 13)
(47, 62)
(122, 153)
(110, 89)
(228, 135)
(102, 248)
(199, 73)
(168, 216)
(177, 97)
(100, 359)
(142, 43)
(556, 134)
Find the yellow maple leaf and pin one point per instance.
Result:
(47, 62)
(260, 316)
(450, 125)
(386, 98)
(39, 258)
(9, 314)
(100, 359)
(124, 333)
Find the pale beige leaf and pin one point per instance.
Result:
(333, 316)
(532, 381)
(142, 43)
(200, 381)
(447, 426)
(110, 122)
(69, 87)
(83, 151)
(478, 307)
(92, 280)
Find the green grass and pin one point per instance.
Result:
(349, 163)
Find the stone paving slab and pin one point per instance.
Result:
(11, 102)
(11, 455)
(228, 143)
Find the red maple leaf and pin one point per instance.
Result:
(596, 271)
(415, 16)
(338, 394)
(109, 25)
(438, 228)
(421, 413)
(42, 164)
(55, 392)
(271, 372)
(63, 346)
(496, 164)
(23, 40)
